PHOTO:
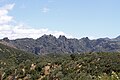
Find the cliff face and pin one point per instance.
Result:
(50, 44)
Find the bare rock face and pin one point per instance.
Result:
(50, 44)
(47, 70)
(33, 66)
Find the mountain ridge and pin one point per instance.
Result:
(50, 44)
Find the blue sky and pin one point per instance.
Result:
(74, 18)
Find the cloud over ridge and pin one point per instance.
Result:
(13, 31)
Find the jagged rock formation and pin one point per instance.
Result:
(50, 44)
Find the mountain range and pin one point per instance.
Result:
(100, 59)
(16, 64)
(50, 44)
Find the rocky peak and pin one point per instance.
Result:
(51, 44)
(6, 39)
(46, 37)
(62, 37)
(85, 39)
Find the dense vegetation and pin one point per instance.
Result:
(16, 64)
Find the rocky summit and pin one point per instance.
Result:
(50, 44)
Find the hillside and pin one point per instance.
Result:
(19, 65)
(11, 58)
(9, 54)
(50, 44)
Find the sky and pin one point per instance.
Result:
(72, 18)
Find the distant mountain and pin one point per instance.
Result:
(50, 44)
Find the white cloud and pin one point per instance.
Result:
(4, 18)
(13, 31)
(20, 31)
(45, 9)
